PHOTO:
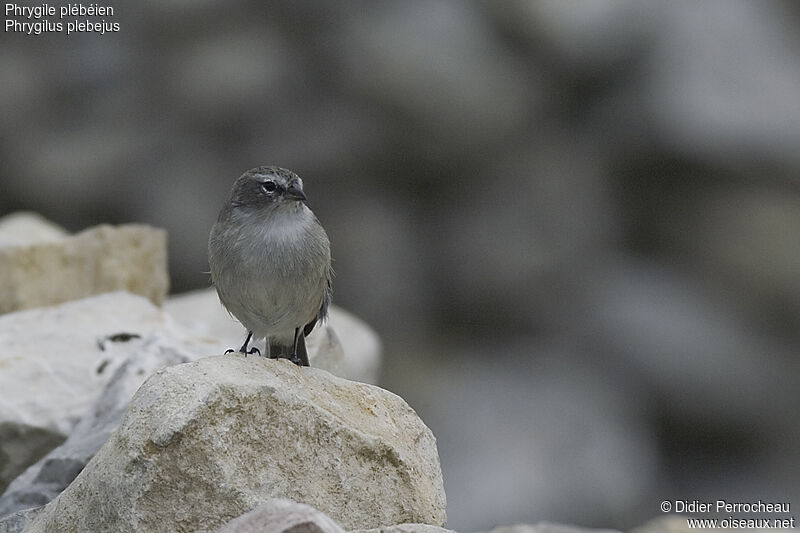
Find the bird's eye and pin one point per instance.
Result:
(269, 187)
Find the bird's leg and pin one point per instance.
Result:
(244, 349)
(299, 353)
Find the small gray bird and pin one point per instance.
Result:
(270, 261)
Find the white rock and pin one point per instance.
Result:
(23, 228)
(55, 361)
(361, 345)
(342, 345)
(45, 479)
(204, 442)
(282, 516)
(45, 270)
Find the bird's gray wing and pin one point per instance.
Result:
(323, 310)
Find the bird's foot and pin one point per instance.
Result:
(251, 351)
(294, 358)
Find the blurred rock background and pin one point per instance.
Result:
(575, 224)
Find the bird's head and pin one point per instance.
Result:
(268, 187)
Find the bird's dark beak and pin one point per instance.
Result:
(294, 193)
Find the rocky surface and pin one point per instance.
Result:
(56, 360)
(406, 528)
(282, 516)
(21, 445)
(39, 268)
(344, 345)
(165, 345)
(26, 228)
(218, 436)
(17, 522)
(44, 480)
(362, 347)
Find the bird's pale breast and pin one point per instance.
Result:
(272, 276)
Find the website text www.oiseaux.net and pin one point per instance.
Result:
(740, 523)
(753, 515)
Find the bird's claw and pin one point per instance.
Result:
(251, 351)
(294, 358)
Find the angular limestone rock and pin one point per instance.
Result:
(204, 442)
(40, 267)
(282, 516)
(17, 522)
(55, 361)
(45, 479)
(25, 228)
(342, 345)
(361, 345)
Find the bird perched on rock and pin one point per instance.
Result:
(270, 261)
